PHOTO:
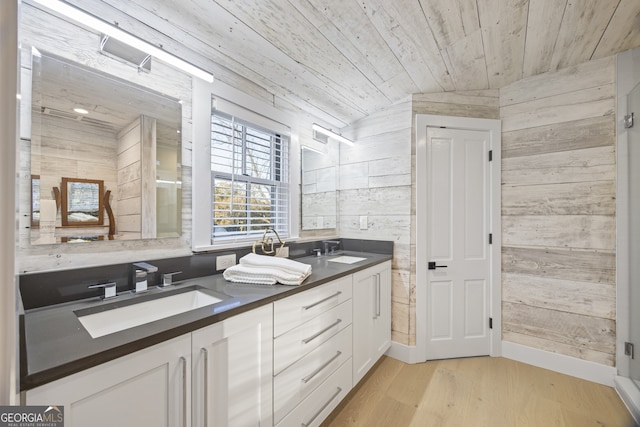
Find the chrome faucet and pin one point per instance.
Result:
(167, 279)
(109, 289)
(140, 275)
(327, 246)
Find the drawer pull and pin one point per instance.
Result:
(379, 293)
(316, 335)
(205, 393)
(338, 391)
(183, 361)
(307, 307)
(321, 368)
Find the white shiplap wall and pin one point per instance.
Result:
(375, 181)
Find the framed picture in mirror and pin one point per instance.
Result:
(82, 202)
(35, 201)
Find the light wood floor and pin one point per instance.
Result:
(477, 392)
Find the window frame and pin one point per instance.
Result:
(232, 101)
(240, 175)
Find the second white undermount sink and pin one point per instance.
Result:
(121, 318)
(346, 259)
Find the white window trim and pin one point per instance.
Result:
(257, 111)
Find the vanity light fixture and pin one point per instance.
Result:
(104, 27)
(331, 134)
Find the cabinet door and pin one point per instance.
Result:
(363, 313)
(371, 317)
(382, 318)
(149, 388)
(232, 371)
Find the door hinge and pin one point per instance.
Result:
(628, 121)
(490, 238)
(490, 322)
(628, 349)
(490, 155)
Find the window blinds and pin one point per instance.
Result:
(249, 172)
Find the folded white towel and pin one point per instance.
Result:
(263, 275)
(285, 265)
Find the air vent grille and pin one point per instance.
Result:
(123, 52)
(77, 117)
(320, 137)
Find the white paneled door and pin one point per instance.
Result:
(458, 252)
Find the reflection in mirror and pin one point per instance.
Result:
(319, 196)
(97, 128)
(35, 201)
(82, 202)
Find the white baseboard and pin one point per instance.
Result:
(630, 395)
(575, 367)
(403, 353)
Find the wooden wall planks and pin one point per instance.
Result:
(559, 211)
(377, 179)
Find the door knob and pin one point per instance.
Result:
(432, 265)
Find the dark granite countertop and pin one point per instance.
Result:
(54, 343)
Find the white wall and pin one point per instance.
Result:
(8, 133)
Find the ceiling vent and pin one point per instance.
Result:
(123, 52)
(48, 111)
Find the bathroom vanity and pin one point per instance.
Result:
(261, 355)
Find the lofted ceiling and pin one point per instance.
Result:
(341, 60)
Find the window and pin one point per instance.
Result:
(249, 179)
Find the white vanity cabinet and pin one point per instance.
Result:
(232, 371)
(220, 375)
(287, 363)
(371, 317)
(312, 353)
(151, 387)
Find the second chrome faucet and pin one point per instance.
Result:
(140, 276)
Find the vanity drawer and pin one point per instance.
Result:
(288, 348)
(319, 404)
(299, 380)
(297, 309)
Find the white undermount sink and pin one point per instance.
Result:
(346, 259)
(121, 318)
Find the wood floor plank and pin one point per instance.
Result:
(479, 392)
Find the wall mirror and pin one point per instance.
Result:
(319, 187)
(95, 136)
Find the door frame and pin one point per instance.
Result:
(494, 127)
(627, 77)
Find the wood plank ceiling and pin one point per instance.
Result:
(344, 59)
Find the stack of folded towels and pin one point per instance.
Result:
(267, 270)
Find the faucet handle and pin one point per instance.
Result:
(167, 278)
(109, 289)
